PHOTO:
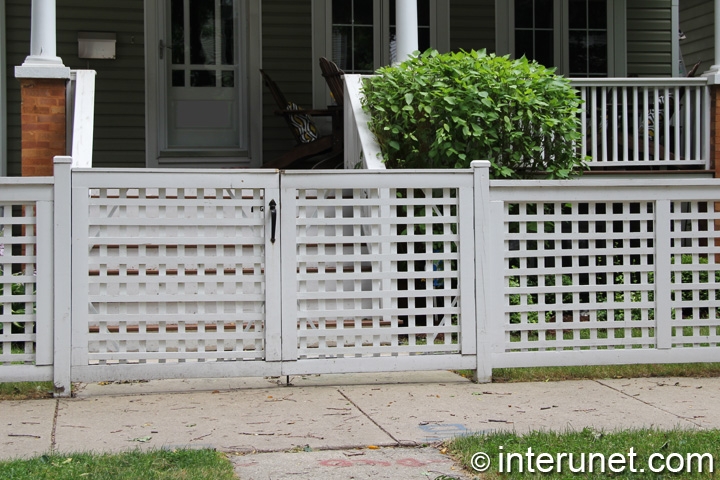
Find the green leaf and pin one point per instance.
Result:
(409, 98)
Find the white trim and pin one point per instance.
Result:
(3, 94)
(249, 39)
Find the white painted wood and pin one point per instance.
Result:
(42, 36)
(83, 119)
(628, 116)
(663, 274)
(62, 277)
(174, 274)
(483, 269)
(44, 301)
(361, 146)
(406, 19)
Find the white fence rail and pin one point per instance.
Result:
(217, 273)
(625, 123)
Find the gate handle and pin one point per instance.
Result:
(273, 220)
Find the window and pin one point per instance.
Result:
(359, 35)
(581, 38)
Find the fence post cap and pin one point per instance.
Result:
(62, 159)
(480, 164)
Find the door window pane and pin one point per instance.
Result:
(352, 35)
(587, 37)
(177, 31)
(202, 32)
(202, 78)
(227, 33)
(524, 14)
(544, 14)
(534, 28)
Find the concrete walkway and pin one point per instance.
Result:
(329, 426)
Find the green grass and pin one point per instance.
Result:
(644, 442)
(556, 374)
(154, 465)
(25, 390)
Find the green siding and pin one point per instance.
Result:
(649, 38)
(696, 20)
(17, 24)
(119, 135)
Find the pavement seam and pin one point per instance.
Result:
(649, 404)
(369, 417)
(53, 445)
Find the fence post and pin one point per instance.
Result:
(62, 325)
(663, 275)
(484, 272)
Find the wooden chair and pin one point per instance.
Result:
(333, 78)
(311, 150)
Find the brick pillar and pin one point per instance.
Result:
(43, 124)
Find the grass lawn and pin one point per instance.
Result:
(155, 465)
(680, 450)
(26, 390)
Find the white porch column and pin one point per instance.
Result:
(406, 28)
(43, 61)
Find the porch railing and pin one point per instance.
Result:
(641, 122)
(626, 123)
(361, 148)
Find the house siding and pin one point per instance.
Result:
(472, 25)
(649, 39)
(17, 37)
(119, 135)
(287, 56)
(696, 21)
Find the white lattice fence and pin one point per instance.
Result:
(579, 275)
(583, 273)
(174, 274)
(25, 279)
(381, 268)
(695, 274)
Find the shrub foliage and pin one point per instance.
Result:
(445, 110)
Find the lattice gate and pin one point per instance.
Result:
(172, 275)
(257, 273)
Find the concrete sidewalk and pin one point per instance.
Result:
(329, 421)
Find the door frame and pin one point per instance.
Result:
(251, 35)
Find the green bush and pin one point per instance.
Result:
(445, 110)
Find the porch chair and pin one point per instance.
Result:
(311, 150)
(333, 77)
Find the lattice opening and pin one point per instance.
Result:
(176, 275)
(377, 272)
(18, 268)
(579, 276)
